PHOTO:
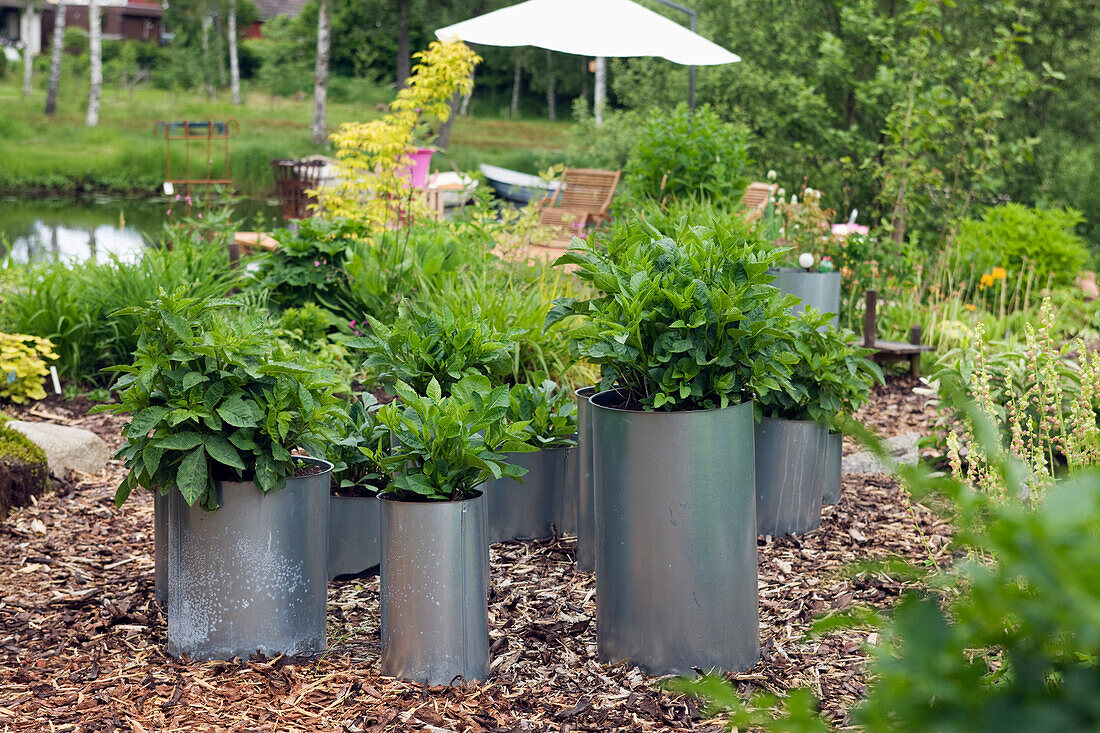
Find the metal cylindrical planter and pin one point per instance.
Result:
(819, 289)
(676, 587)
(834, 457)
(526, 511)
(567, 490)
(790, 460)
(435, 612)
(586, 509)
(353, 535)
(160, 547)
(252, 575)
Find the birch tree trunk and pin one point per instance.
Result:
(551, 101)
(207, 72)
(599, 99)
(318, 130)
(516, 79)
(30, 18)
(464, 108)
(234, 63)
(95, 51)
(55, 58)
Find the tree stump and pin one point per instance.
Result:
(23, 470)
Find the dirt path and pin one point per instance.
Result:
(82, 642)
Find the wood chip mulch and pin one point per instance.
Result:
(82, 643)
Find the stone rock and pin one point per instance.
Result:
(902, 447)
(66, 447)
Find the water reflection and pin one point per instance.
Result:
(43, 229)
(53, 240)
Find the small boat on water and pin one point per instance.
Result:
(520, 188)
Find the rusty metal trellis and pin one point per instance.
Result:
(204, 135)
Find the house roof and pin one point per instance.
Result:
(271, 8)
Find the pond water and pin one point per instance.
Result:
(100, 228)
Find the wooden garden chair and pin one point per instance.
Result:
(582, 198)
(757, 195)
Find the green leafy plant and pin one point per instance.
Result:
(447, 446)
(356, 455)
(548, 410)
(210, 399)
(421, 347)
(1015, 236)
(304, 332)
(23, 367)
(682, 153)
(309, 264)
(831, 379)
(682, 323)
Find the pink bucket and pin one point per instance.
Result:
(417, 171)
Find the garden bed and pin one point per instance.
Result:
(82, 642)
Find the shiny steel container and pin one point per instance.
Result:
(353, 535)
(819, 289)
(527, 511)
(834, 456)
(790, 462)
(567, 496)
(586, 509)
(160, 547)
(676, 587)
(435, 612)
(252, 575)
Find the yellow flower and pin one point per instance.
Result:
(999, 273)
(971, 307)
(987, 280)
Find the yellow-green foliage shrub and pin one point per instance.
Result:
(23, 366)
(373, 186)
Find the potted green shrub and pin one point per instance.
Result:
(532, 509)
(435, 560)
(215, 415)
(357, 479)
(792, 438)
(689, 330)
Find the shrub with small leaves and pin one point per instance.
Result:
(23, 367)
(447, 446)
(684, 322)
(548, 410)
(212, 399)
(423, 346)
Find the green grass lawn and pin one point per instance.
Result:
(124, 154)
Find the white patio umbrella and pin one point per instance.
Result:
(599, 28)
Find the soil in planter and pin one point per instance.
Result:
(308, 469)
(354, 492)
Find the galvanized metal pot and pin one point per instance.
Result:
(160, 547)
(676, 586)
(819, 289)
(567, 496)
(435, 612)
(586, 509)
(252, 575)
(527, 511)
(790, 461)
(834, 456)
(353, 535)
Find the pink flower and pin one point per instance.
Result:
(316, 263)
(352, 324)
(177, 197)
(843, 230)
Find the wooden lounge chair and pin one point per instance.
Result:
(757, 195)
(582, 198)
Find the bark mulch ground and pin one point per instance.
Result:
(82, 641)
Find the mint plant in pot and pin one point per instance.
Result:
(435, 558)
(690, 331)
(357, 479)
(531, 510)
(215, 416)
